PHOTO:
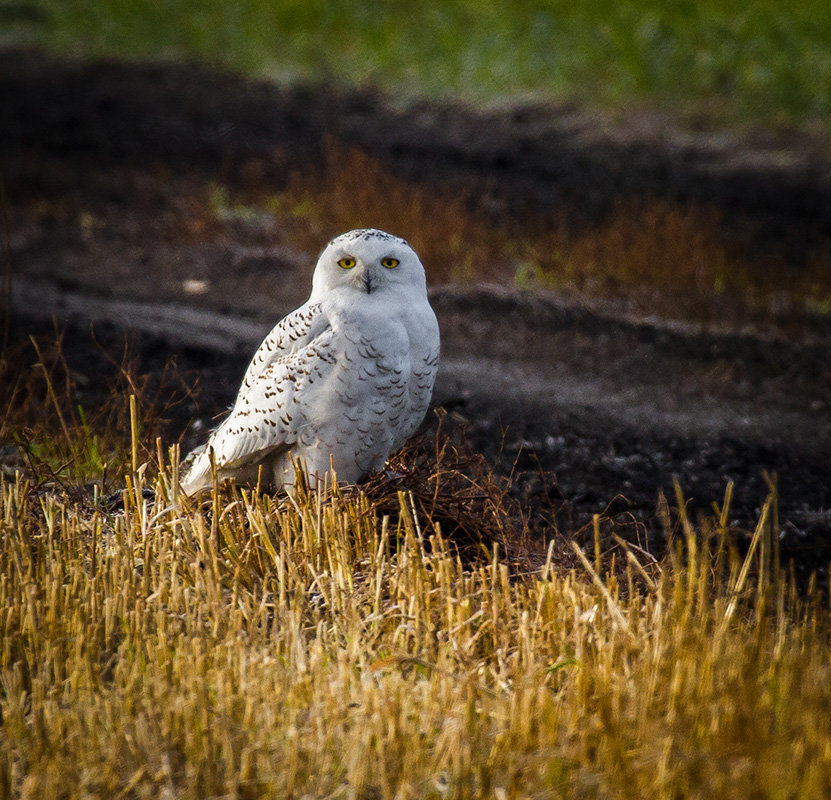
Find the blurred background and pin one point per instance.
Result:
(730, 60)
(671, 156)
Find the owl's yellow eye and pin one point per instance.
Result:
(347, 263)
(389, 263)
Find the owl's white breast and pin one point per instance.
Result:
(380, 387)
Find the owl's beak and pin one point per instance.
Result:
(366, 282)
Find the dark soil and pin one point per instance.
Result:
(585, 409)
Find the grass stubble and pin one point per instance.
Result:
(353, 643)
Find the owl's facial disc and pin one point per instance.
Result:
(368, 261)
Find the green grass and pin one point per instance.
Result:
(742, 61)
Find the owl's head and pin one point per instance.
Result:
(369, 261)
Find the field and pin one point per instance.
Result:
(601, 568)
(723, 60)
(401, 640)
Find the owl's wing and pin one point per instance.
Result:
(289, 335)
(268, 414)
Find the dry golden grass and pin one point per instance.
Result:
(339, 645)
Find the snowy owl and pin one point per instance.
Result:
(342, 381)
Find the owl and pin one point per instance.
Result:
(341, 382)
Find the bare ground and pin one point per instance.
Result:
(585, 407)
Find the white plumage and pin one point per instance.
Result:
(342, 381)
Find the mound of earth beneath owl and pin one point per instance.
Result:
(582, 406)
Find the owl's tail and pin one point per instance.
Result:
(266, 463)
(197, 471)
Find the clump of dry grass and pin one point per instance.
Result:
(668, 255)
(677, 261)
(455, 489)
(356, 190)
(69, 430)
(663, 257)
(330, 645)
